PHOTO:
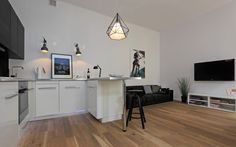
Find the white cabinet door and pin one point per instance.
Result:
(32, 100)
(94, 101)
(47, 98)
(72, 97)
(8, 114)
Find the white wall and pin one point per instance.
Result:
(210, 37)
(66, 24)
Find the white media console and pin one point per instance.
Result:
(225, 103)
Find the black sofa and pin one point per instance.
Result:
(152, 94)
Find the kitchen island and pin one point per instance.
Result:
(106, 99)
(102, 97)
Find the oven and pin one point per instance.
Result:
(23, 101)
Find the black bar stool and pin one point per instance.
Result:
(135, 97)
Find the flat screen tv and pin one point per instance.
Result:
(222, 70)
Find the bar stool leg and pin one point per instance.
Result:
(130, 112)
(141, 112)
(143, 115)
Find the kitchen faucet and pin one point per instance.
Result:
(15, 67)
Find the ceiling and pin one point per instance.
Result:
(158, 15)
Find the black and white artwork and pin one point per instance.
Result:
(137, 63)
(61, 66)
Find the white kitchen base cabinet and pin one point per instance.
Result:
(9, 134)
(72, 96)
(105, 99)
(47, 98)
(94, 98)
(8, 114)
(32, 99)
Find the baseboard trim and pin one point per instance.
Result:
(58, 115)
(111, 118)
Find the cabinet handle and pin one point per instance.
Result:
(43, 88)
(30, 89)
(72, 87)
(11, 96)
(92, 87)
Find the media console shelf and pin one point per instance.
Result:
(215, 102)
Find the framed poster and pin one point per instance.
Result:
(61, 66)
(137, 63)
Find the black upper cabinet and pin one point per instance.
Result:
(5, 21)
(11, 31)
(20, 40)
(14, 25)
(16, 50)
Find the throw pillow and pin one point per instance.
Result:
(156, 88)
(147, 89)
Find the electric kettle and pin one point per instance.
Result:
(40, 72)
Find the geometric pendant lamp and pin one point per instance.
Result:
(117, 30)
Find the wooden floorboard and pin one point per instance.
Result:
(168, 125)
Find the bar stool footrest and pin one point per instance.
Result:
(136, 117)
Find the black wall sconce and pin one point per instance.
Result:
(44, 48)
(78, 52)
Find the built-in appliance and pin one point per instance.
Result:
(4, 63)
(221, 70)
(23, 100)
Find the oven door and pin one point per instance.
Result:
(23, 104)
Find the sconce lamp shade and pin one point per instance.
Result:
(117, 30)
(44, 48)
(78, 52)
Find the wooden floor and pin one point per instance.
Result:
(169, 124)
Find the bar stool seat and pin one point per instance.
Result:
(136, 96)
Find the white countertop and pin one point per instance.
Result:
(110, 78)
(9, 79)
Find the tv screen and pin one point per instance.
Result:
(222, 70)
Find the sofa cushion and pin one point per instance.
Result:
(164, 95)
(156, 88)
(134, 88)
(147, 89)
